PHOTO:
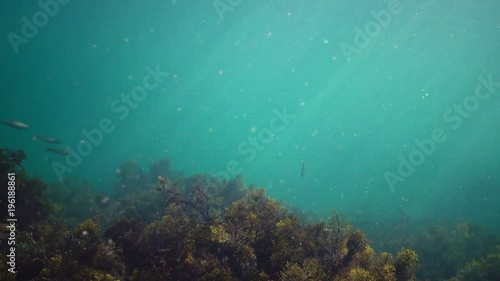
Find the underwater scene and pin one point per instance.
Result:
(325, 140)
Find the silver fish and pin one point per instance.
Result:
(59, 151)
(15, 124)
(47, 139)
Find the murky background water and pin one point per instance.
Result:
(376, 109)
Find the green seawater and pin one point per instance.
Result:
(375, 109)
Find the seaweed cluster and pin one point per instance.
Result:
(483, 269)
(162, 225)
(35, 207)
(444, 249)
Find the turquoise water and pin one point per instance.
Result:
(317, 101)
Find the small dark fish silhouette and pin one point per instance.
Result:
(15, 124)
(47, 139)
(59, 151)
(303, 169)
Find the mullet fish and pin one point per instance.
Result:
(47, 139)
(59, 151)
(15, 124)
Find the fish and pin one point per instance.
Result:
(47, 139)
(59, 151)
(303, 169)
(15, 124)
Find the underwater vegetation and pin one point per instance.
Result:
(35, 207)
(162, 225)
(444, 249)
(484, 269)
